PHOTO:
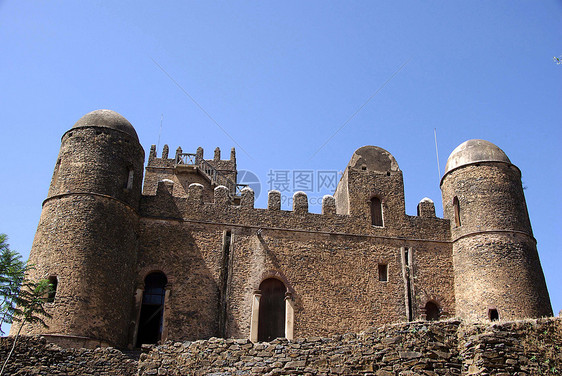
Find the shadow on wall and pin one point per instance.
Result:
(191, 260)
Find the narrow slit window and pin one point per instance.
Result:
(383, 272)
(376, 212)
(493, 314)
(457, 209)
(53, 281)
(130, 179)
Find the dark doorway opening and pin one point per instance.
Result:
(431, 311)
(151, 315)
(493, 314)
(271, 322)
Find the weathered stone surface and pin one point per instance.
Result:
(526, 348)
(103, 231)
(34, 356)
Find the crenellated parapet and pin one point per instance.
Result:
(187, 168)
(426, 208)
(196, 205)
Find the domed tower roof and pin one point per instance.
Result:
(374, 159)
(473, 151)
(106, 119)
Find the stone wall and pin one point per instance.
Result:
(529, 347)
(328, 262)
(34, 356)
(526, 347)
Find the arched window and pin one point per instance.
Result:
(271, 322)
(376, 211)
(432, 311)
(151, 315)
(493, 314)
(457, 209)
(53, 281)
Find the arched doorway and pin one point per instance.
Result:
(431, 311)
(152, 309)
(271, 323)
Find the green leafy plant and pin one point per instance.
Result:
(12, 273)
(21, 300)
(31, 309)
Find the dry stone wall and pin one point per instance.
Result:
(524, 348)
(529, 347)
(34, 356)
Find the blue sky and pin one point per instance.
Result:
(279, 80)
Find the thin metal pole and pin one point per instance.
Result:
(437, 153)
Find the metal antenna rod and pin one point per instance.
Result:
(437, 153)
(159, 133)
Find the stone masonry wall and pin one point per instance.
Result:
(494, 253)
(34, 356)
(86, 237)
(325, 261)
(526, 347)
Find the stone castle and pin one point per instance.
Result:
(185, 255)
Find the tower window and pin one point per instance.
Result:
(376, 212)
(55, 173)
(130, 179)
(493, 314)
(432, 311)
(383, 272)
(53, 281)
(457, 210)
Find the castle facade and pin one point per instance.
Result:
(185, 255)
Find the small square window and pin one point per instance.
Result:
(383, 272)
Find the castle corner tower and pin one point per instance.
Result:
(497, 272)
(86, 240)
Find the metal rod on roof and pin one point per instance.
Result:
(437, 153)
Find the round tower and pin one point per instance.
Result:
(496, 265)
(86, 240)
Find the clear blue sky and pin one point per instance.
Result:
(281, 79)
